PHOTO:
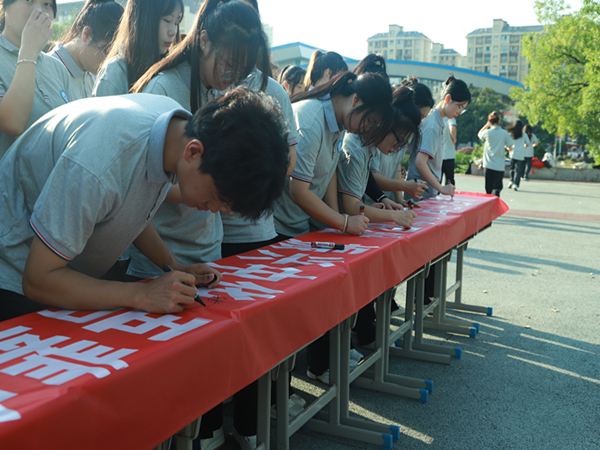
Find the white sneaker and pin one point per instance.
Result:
(216, 441)
(398, 312)
(295, 407)
(323, 378)
(246, 442)
(510, 185)
(298, 400)
(355, 355)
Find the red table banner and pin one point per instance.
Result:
(128, 379)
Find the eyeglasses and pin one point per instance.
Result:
(228, 75)
(402, 143)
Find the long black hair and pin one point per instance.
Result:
(421, 94)
(407, 116)
(234, 29)
(102, 16)
(516, 129)
(375, 93)
(136, 39)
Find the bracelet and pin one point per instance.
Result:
(381, 198)
(26, 60)
(345, 223)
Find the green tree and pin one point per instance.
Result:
(483, 102)
(562, 88)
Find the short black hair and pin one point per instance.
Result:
(245, 149)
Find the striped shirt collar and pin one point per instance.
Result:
(66, 58)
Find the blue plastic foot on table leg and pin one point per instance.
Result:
(398, 343)
(473, 331)
(306, 429)
(490, 311)
(458, 352)
(429, 386)
(395, 432)
(388, 442)
(476, 325)
(424, 395)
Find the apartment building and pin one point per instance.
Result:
(401, 45)
(445, 56)
(498, 50)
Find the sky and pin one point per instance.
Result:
(344, 25)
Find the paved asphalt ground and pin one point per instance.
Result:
(531, 377)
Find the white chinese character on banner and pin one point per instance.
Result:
(256, 272)
(90, 352)
(139, 322)
(75, 316)
(64, 371)
(239, 291)
(275, 258)
(33, 343)
(7, 415)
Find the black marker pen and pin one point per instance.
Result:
(168, 268)
(327, 245)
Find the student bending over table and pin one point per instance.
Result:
(84, 181)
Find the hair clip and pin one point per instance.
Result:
(377, 63)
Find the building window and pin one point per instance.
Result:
(399, 43)
(503, 68)
(478, 60)
(495, 48)
(479, 40)
(470, 49)
(470, 40)
(470, 59)
(391, 43)
(494, 68)
(435, 58)
(495, 57)
(488, 39)
(416, 51)
(515, 38)
(523, 68)
(504, 49)
(503, 58)
(384, 44)
(370, 45)
(398, 54)
(408, 43)
(486, 59)
(377, 44)
(495, 38)
(385, 54)
(504, 38)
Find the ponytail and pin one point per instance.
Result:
(422, 97)
(319, 63)
(516, 129)
(372, 63)
(457, 89)
(407, 116)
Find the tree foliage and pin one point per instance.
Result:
(562, 88)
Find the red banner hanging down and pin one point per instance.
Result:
(127, 379)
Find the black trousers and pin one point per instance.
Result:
(493, 181)
(528, 163)
(516, 171)
(448, 171)
(14, 305)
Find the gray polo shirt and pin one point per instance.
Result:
(529, 151)
(518, 151)
(52, 85)
(82, 82)
(387, 166)
(112, 79)
(449, 147)
(192, 236)
(354, 167)
(317, 154)
(494, 140)
(235, 228)
(431, 144)
(86, 193)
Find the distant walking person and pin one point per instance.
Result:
(534, 142)
(520, 141)
(495, 140)
(449, 140)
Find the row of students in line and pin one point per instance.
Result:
(362, 105)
